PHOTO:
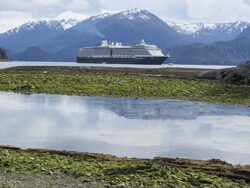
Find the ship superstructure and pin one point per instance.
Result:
(116, 53)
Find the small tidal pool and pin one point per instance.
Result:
(142, 128)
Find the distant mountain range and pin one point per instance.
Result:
(223, 52)
(30, 34)
(245, 33)
(232, 52)
(59, 39)
(209, 32)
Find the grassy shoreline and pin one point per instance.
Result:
(122, 83)
(63, 168)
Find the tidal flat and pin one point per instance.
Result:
(50, 168)
(182, 84)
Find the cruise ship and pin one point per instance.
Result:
(116, 53)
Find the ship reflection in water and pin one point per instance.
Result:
(126, 127)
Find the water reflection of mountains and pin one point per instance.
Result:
(169, 109)
(144, 108)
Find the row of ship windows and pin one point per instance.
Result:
(112, 54)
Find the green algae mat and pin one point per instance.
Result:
(119, 85)
(47, 168)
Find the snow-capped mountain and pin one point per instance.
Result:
(194, 28)
(134, 14)
(67, 15)
(61, 37)
(63, 21)
(29, 34)
(53, 24)
(66, 24)
(209, 32)
(102, 15)
(129, 27)
(232, 46)
(245, 33)
(33, 32)
(69, 19)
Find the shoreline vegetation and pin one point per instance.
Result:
(50, 168)
(165, 83)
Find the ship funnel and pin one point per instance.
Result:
(105, 43)
(143, 41)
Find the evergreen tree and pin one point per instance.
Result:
(3, 55)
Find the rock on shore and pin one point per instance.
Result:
(237, 75)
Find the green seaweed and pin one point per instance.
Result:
(124, 86)
(109, 170)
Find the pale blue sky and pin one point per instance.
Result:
(16, 12)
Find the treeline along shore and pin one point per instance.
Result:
(3, 55)
(170, 83)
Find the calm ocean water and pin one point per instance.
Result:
(126, 127)
(32, 63)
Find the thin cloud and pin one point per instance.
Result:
(218, 10)
(11, 19)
